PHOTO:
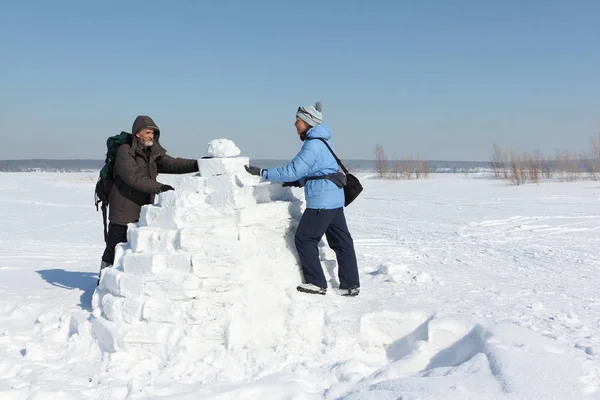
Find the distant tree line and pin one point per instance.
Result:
(409, 167)
(50, 165)
(519, 167)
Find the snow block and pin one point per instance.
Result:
(121, 309)
(114, 337)
(174, 286)
(231, 182)
(142, 239)
(187, 184)
(194, 239)
(144, 263)
(268, 192)
(270, 214)
(206, 265)
(178, 217)
(220, 166)
(222, 148)
(166, 285)
(223, 183)
(249, 235)
(197, 312)
(140, 263)
(248, 180)
(121, 249)
(165, 311)
(240, 198)
(131, 286)
(185, 199)
(181, 262)
(110, 280)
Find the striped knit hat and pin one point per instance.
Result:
(312, 115)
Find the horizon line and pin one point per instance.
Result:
(251, 158)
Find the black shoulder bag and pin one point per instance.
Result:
(353, 186)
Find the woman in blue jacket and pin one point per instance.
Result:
(315, 169)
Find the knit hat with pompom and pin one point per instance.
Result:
(312, 115)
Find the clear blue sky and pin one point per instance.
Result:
(444, 78)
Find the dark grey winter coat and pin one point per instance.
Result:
(135, 171)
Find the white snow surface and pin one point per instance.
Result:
(221, 148)
(470, 289)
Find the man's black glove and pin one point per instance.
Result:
(295, 184)
(252, 170)
(165, 188)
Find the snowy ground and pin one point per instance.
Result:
(471, 289)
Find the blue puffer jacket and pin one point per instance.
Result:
(313, 159)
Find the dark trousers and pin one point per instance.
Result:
(332, 223)
(116, 234)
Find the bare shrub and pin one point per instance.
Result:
(546, 167)
(505, 167)
(424, 169)
(397, 169)
(591, 161)
(520, 167)
(523, 163)
(534, 165)
(381, 162)
(416, 165)
(517, 171)
(589, 166)
(567, 166)
(517, 167)
(407, 167)
(498, 163)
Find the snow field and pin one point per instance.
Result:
(471, 289)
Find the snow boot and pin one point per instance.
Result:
(351, 292)
(310, 288)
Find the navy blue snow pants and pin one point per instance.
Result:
(116, 234)
(332, 223)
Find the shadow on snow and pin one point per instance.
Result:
(70, 280)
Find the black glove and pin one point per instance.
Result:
(165, 188)
(252, 170)
(295, 184)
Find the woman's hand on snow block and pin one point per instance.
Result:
(252, 170)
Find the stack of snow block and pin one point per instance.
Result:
(194, 256)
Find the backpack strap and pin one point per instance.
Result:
(103, 206)
(332, 153)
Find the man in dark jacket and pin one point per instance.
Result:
(135, 170)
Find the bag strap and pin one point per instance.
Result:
(334, 156)
(104, 221)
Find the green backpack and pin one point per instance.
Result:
(105, 180)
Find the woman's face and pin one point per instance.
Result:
(301, 127)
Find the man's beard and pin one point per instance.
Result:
(303, 135)
(148, 143)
